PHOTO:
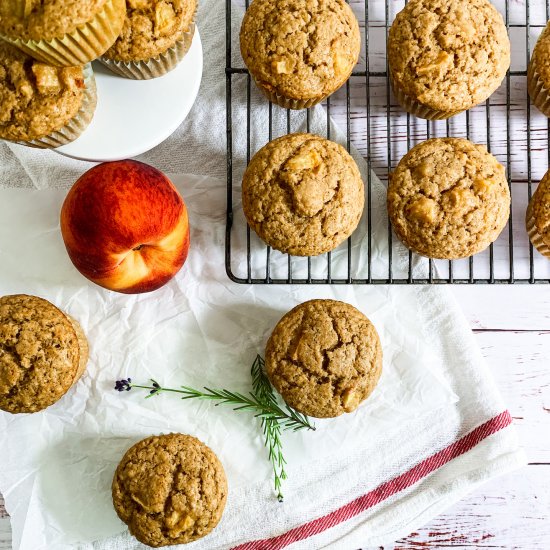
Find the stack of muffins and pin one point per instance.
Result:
(448, 198)
(47, 88)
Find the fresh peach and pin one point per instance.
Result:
(125, 227)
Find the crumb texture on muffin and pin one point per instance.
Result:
(169, 489)
(303, 194)
(540, 209)
(448, 54)
(324, 357)
(40, 355)
(300, 48)
(151, 27)
(448, 198)
(540, 60)
(45, 19)
(36, 99)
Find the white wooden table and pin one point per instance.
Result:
(512, 327)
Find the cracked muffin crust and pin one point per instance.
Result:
(299, 51)
(169, 489)
(38, 99)
(303, 194)
(538, 75)
(151, 27)
(43, 352)
(446, 56)
(448, 198)
(324, 357)
(538, 217)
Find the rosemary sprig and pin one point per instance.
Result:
(270, 426)
(261, 401)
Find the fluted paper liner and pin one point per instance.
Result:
(534, 236)
(84, 44)
(416, 108)
(154, 67)
(538, 91)
(78, 123)
(83, 350)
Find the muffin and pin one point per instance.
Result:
(298, 51)
(538, 75)
(303, 194)
(324, 357)
(169, 489)
(446, 56)
(538, 217)
(156, 36)
(43, 352)
(62, 32)
(42, 105)
(448, 198)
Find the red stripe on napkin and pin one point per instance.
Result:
(386, 490)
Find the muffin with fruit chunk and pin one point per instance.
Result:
(156, 36)
(298, 51)
(448, 198)
(42, 105)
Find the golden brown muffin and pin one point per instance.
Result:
(324, 357)
(538, 76)
(156, 36)
(299, 51)
(303, 194)
(41, 104)
(62, 32)
(445, 56)
(43, 352)
(448, 198)
(169, 489)
(538, 217)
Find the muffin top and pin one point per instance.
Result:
(169, 489)
(36, 98)
(448, 198)
(448, 54)
(45, 19)
(303, 194)
(151, 27)
(40, 354)
(540, 59)
(302, 49)
(540, 208)
(324, 357)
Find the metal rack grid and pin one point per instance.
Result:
(507, 124)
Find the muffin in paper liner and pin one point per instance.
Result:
(416, 108)
(77, 124)
(154, 67)
(538, 92)
(84, 44)
(287, 102)
(534, 236)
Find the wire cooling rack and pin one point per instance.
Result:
(367, 117)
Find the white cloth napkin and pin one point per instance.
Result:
(434, 428)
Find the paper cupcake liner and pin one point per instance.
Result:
(537, 91)
(154, 67)
(534, 236)
(83, 348)
(77, 124)
(84, 44)
(287, 102)
(416, 108)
